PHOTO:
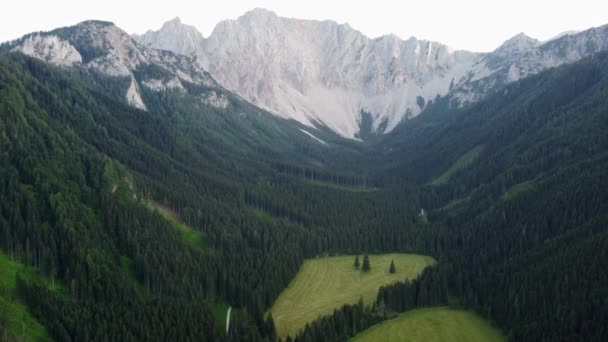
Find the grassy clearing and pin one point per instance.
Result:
(433, 324)
(324, 284)
(462, 162)
(220, 310)
(261, 214)
(456, 205)
(128, 269)
(190, 235)
(14, 315)
(518, 189)
(342, 187)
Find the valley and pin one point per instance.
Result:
(170, 186)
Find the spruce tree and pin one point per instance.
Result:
(392, 268)
(366, 266)
(357, 262)
(270, 328)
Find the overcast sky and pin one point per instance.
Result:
(464, 24)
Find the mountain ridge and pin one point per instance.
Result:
(102, 48)
(325, 73)
(320, 73)
(526, 213)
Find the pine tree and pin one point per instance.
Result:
(366, 266)
(392, 268)
(271, 331)
(357, 262)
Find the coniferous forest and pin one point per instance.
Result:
(508, 194)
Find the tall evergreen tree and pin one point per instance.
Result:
(271, 331)
(357, 264)
(392, 268)
(366, 267)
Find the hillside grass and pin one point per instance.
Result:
(342, 187)
(220, 310)
(14, 315)
(128, 269)
(433, 324)
(261, 215)
(462, 162)
(325, 284)
(192, 236)
(517, 189)
(456, 205)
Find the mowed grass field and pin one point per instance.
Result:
(325, 284)
(433, 325)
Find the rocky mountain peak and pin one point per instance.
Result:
(173, 22)
(173, 36)
(325, 72)
(518, 43)
(258, 14)
(103, 48)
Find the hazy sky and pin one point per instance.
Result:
(464, 24)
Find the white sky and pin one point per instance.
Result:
(475, 25)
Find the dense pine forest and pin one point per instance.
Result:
(135, 225)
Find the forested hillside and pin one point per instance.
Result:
(525, 216)
(125, 224)
(80, 170)
(515, 188)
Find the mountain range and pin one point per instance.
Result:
(144, 196)
(329, 74)
(319, 73)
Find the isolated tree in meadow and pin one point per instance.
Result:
(392, 268)
(365, 266)
(357, 261)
